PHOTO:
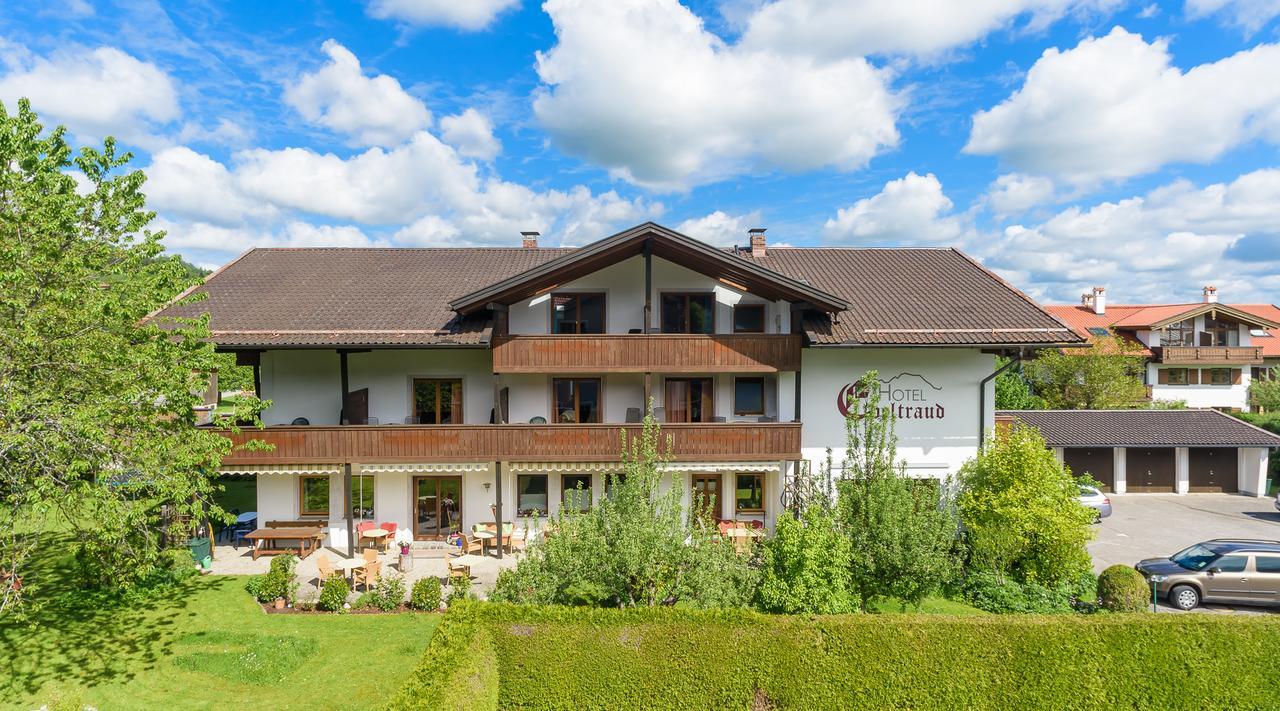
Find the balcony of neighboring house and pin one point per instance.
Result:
(597, 442)
(647, 352)
(1219, 355)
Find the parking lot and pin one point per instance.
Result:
(1150, 525)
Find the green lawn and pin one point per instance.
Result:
(929, 606)
(206, 646)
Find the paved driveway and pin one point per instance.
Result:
(1149, 525)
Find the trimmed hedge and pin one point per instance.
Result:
(1121, 588)
(574, 658)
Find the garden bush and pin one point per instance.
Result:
(486, 656)
(1003, 594)
(805, 566)
(388, 594)
(459, 589)
(278, 582)
(426, 594)
(334, 594)
(1123, 589)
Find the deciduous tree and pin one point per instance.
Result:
(1106, 375)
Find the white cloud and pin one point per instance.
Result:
(1115, 106)
(1160, 246)
(461, 14)
(197, 235)
(94, 92)
(471, 133)
(910, 210)
(641, 88)
(721, 228)
(185, 183)
(1015, 193)
(827, 28)
(224, 132)
(372, 111)
(1248, 15)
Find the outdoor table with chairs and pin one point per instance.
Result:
(744, 534)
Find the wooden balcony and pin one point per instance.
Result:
(1210, 355)
(372, 444)
(647, 353)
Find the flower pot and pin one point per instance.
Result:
(279, 603)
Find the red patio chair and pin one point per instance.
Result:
(361, 528)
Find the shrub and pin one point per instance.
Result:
(388, 594)
(805, 566)
(334, 594)
(1123, 589)
(426, 594)
(278, 582)
(459, 589)
(995, 593)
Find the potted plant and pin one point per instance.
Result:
(403, 539)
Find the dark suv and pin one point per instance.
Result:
(1222, 570)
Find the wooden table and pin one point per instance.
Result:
(308, 539)
(484, 537)
(379, 535)
(743, 537)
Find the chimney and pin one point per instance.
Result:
(530, 240)
(757, 241)
(1211, 294)
(1096, 300)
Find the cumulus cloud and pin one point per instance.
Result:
(1159, 246)
(94, 92)
(910, 210)
(696, 109)
(471, 133)
(1248, 15)
(197, 235)
(371, 111)
(721, 228)
(1015, 193)
(1115, 106)
(861, 27)
(184, 183)
(468, 15)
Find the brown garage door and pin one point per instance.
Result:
(1149, 469)
(1097, 462)
(1213, 469)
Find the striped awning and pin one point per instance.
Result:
(264, 469)
(617, 466)
(427, 467)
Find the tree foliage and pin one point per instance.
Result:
(96, 421)
(806, 565)
(1013, 392)
(901, 537)
(1264, 392)
(1021, 513)
(1105, 376)
(635, 548)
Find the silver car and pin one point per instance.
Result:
(1093, 498)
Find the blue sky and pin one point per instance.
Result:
(1065, 143)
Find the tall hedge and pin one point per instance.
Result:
(575, 658)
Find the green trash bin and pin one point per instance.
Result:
(200, 548)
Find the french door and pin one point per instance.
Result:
(437, 506)
(689, 399)
(706, 490)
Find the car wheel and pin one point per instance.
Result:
(1185, 597)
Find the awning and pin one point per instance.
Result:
(429, 467)
(262, 469)
(617, 466)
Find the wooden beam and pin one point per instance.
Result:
(346, 491)
(497, 508)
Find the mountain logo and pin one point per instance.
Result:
(905, 396)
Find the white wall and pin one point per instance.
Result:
(301, 384)
(931, 447)
(1203, 395)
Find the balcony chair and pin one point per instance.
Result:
(299, 421)
(633, 414)
(767, 418)
(371, 421)
(537, 420)
(411, 420)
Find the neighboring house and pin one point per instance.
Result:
(437, 388)
(1205, 354)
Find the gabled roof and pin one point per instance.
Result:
(1269, 343)
(1136, 317)
(1143, 428)
(665, 243)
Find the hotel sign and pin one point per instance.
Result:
(905, 396)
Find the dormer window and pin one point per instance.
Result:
(577, 313)
(1182, 333)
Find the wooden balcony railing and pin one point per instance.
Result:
(370, 444)
(647, 352)
(1195, 355)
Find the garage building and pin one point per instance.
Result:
(1167, 451)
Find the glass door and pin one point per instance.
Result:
(437, 506)
(706, 491)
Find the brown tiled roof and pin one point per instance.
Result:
(916, 297)
(349, 297)
(1143, 428)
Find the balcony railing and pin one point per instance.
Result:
(646, 352)
(1194, 355)
(370, 444)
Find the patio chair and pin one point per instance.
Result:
(370, 555)
(361, 528)
(391, 529)
(412, 420)
(456, 570)
(368, 575)
(633, 414)
(470, 545)
(300, 421)
(325, 568)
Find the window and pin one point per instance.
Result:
(748, 396)
(689, 399)
(1219, 376)
(689, 313)
(1259, 333)
(531, 495)
(437, 401)
(577, 400)
(749, 493)
(1267, 564)
(1181, 333)
(575, 491)
(612, 481)
(1231, 563)
(748, 318)
(1098, 331)
(361, 497)
(1177, 376)
(1219, 333)
(313, 495)
(577, 313)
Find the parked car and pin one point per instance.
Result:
(1093, 497)
(1233, 570)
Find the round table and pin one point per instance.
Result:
(246, 517)
(378, 535)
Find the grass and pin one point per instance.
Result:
(928, 606)
(203, 645)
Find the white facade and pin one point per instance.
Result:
(1200, 394)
